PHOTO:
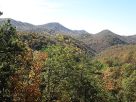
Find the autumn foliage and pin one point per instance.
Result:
(41, 68)
(26, 81)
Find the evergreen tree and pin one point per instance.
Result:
(68, 76)
(10, 48)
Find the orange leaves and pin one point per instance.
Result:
(32, 89)
(38, 61)
(39, 55)
(26, 81)
(110, 85)
(111, 79)
(32, 93)
(107, 81)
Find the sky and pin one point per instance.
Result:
(119, 16)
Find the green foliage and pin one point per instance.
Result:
(119, 76)
(129, 84)
(10, 47)
(69, 76)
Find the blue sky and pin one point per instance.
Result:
(93, 16)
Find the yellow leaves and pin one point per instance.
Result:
(38, 61)
(60, 37)
(31, 74)
(81, 66)
(77, 49)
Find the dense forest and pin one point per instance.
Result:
(58, 68)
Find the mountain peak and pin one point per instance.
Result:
(52, 25)
(105, 32)
(55, 26)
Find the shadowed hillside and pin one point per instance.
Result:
(103, 40)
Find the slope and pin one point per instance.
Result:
(119, 72)
(37, 41)
(51, 28)
(103, 40)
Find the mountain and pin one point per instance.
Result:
(131, 39)
(51, 28)
(98, 42)
(22, 26)
(56, 27)
(105, 39)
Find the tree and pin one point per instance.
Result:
(10, 47)
(20, 68)
(1, 13)
(26, 81)
(68, 76)
(129, 84)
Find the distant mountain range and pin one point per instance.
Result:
(52, 28)
(105, 39)
(97, 42)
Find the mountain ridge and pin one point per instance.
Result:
(98, 42)
(53, 27)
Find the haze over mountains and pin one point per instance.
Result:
(97, 42)
(52, 28)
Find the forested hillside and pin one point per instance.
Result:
(39, 67)
(119, 72)
(59, 72)
(97, 42)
